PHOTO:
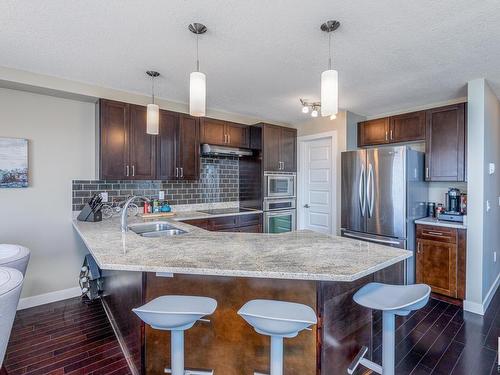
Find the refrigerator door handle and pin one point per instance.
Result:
(362, 199)
(370, 195)
(346, 234)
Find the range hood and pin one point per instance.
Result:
(207, 149)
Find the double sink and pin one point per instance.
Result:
(156, 229)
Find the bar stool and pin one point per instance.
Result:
(14, 256)
(392, 300)
(11, 281)
(277, 319)
(176, 314)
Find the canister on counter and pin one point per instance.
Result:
(431, 209)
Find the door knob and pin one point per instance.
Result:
(306, 206)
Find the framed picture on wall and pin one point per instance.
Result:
(13, 163)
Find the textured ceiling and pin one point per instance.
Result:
(261, 56)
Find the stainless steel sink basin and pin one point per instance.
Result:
(156, 229)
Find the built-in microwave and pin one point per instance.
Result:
(279, 185)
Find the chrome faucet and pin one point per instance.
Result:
(124, 223)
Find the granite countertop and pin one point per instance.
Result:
(440, 223)
(302, 255)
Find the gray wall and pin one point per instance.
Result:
(483, 235)
(61, 143)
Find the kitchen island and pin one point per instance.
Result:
(315, 269)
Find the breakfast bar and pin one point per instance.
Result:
(314, 269)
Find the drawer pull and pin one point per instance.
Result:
(435, 233)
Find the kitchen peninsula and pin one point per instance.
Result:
(318, 270)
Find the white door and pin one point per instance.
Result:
(317, 185)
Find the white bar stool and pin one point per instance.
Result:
(11, 281)
(392, 300)
(176, 314)
(14, 256)
(277, 319)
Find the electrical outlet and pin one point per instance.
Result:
(104, 196)
(491, 168)
(161, 195)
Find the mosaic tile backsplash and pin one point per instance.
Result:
(219, 182)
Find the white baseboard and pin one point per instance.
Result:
(491, 293)
(42, 299)
(480, 308)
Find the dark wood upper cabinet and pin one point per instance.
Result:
(213, 132)
(142, 146)
(167, 145)
(279, 148)
(126, 151)
(288, 149)
(238, 135)
(407, 127)
(178, 147)
(445, 143)
(189, 148)
(373, 132)
(114, 134)
(224, 133)
(271, 141)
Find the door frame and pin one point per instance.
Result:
(301, 175)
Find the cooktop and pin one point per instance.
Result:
(222, 211)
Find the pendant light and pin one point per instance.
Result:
(197, 79)
(330, 77)
(153, 110)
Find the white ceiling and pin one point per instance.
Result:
(261, 56)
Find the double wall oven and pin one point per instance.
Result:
(279, 202)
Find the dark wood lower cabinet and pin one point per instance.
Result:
(440, 259)
(251, 223)
(227, 344)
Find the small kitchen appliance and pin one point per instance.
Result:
(453, 207)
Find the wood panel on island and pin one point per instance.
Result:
(443, 129)
(127, 152)
(441, 259)
(226, 344)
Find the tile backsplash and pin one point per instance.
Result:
(219, 182)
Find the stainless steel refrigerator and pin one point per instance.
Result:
(383, 192)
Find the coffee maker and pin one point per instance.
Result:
(453, 206)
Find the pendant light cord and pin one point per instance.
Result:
(197, 53)
(329, 51)
(153, 88)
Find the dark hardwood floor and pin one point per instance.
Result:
(67, 337)
(70, 337)
(442, 339)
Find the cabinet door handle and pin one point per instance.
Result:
(435, 233)
(133, 170)
(182, 172)
(418, 248)
(225, 138)
(386, 136)
(426, 172)
(391, 135)
(127, 170)
(176, 172)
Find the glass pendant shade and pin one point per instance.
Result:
(197, 94)
(153, 119)
(329, 92)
